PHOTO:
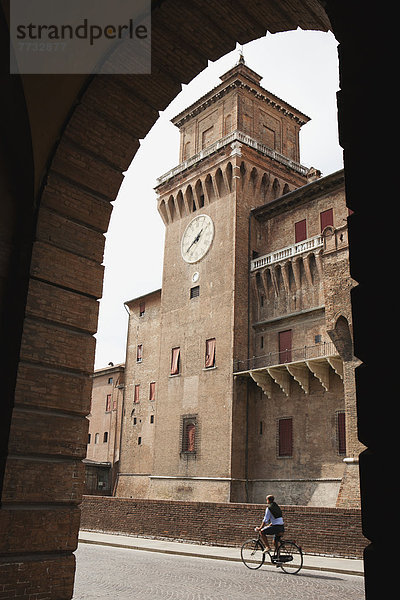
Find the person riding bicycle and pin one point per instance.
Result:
(272, 523)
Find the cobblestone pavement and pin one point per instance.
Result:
(105, 573)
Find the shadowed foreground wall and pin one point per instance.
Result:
(76, 163)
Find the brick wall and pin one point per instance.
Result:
(318, 530)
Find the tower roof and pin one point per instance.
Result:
(240, 75)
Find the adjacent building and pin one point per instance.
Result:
(101, 463)
(240, 370)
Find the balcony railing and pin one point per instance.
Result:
(234, 136)
(288, 252)
(290, 355)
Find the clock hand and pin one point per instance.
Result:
(196, 239)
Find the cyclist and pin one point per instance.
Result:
(272, 523)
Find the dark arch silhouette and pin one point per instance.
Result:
(58, 178)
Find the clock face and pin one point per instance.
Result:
(197, 238)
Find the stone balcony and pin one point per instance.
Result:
(294, 365)
(307, 245)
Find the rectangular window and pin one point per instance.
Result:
(285, 437)
(151, 418)
(189, 435)
(285, 346)
(139, 353)
(175, 361)
(300, 231)
(341, 431)
(142, 309)
(110, 380)
(105, 436)
(89, 437)
(152, 391)
(210, 353)
(195, 292)
(326, 218)
(108, 403)
(136, 396)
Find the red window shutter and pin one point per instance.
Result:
(190, 437)
(285, 435)
(136, 396)
(300, 231)
(341, 429)
(285, 346)
(210, 353)
(175, 362)
(152, 391)
(326, 218)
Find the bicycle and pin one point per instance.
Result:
(288, 555)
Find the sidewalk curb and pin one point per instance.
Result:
(332, 568)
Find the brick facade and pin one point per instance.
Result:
(104, 436)
(252, 284)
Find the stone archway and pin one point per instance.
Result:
(90, 138)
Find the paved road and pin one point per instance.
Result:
(105, 573)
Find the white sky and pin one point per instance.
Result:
(300, 67)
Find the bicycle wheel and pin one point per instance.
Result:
(290, 557)
(252, 554)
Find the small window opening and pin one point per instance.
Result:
(341, 432)
(139, 353)
(210, 353)
(189, 435)
(136, 395)
(175, 361)
(285, 437)
(195, 292)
